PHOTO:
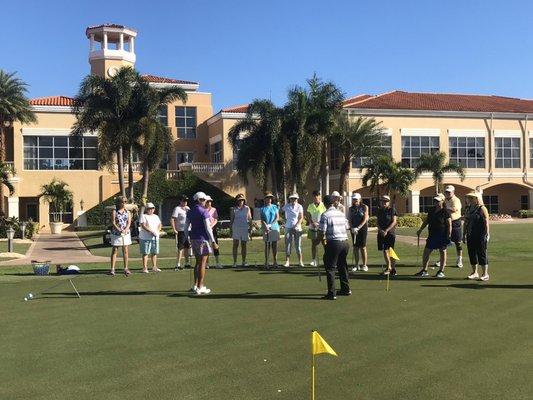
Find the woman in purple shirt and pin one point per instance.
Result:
(200, 234)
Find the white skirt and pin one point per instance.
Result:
(116, 240)
(240, 233)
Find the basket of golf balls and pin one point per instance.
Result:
(41, 269)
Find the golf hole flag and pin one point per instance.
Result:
(392, 254)
(318, 346)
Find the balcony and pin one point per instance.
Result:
(137, 167)
(205, 170)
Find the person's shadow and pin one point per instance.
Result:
(483, 286)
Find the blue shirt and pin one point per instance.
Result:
(269, 216)
(196, 217)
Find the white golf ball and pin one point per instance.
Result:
(30, 295)
(25, 299)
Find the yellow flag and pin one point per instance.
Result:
(320, 346)
(392, 254)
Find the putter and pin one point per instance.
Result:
(417, 249)
(318, 263)
(74, 287)
(176, 244)
(123, 253)
(267, 249)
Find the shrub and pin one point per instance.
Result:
(31, 227)
(402, 222)
(525, 213)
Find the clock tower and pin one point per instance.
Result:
(111, 46)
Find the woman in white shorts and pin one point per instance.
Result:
(120, 234)
(240, 228)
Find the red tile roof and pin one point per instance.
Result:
(53, 101)
(399, 100)
(355, 99)
(160, 79)
(236, 109)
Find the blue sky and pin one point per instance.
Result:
(241, 50)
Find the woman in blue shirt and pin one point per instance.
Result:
(269, 222)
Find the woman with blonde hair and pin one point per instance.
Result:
(477, 235)
(241, 217)
(120, 234)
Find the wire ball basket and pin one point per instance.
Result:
(41, 268)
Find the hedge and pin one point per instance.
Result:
(401, 222)
(31, 227)
(525, 213)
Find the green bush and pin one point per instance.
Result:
(31, 227)
(525, 213)
(402, 222)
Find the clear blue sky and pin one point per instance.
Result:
(240, 50)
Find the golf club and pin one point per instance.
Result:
(123, 253)
(417, 248)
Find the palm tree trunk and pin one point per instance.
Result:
(120, 167)
(273, 178)
(343, 180)
(144, 195)
(130, 174)
(326, 167)
(2, 158)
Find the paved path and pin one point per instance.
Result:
(66, 248)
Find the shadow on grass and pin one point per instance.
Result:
(482, 286)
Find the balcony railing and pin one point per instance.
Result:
(202, 167)
(10, 165)
(137, 167)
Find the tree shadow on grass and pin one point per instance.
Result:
(482, 286)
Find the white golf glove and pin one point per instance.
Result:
(487, 237)
(355, 230)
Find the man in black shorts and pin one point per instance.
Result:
(179, 216)
(387, 233)
(358, 219)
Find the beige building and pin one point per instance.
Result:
(490, 136)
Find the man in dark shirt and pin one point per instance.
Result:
(387, 233)
(439, 223)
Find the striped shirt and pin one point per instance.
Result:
(334, 224)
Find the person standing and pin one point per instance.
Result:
(150, 225)
(454, 206)
(213, 213)
(477, 235)
(177, 221)
(294, 215)
(439, 223)
(358, 219)
(120, 234)
(332, 228)
(314, 212)
(269, 222)
(337, 198)
(386, 220)
(198, 229)
(241, 217)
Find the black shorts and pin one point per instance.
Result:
(182, 243)
(477, 251)
(384, 243)
(457, 231)
(360, 239)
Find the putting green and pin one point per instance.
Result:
(145, 337)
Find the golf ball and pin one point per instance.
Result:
(30, 295)
(25, 299)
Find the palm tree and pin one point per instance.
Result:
(362, 137)
(261, 150)
(436, 164)
(398, 180)
(14, 106)
(375, 173)
(107, 107)
(5, 175)
(56, 193)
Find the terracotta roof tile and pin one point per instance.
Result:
(53, 101)
(236, 109)
(160, 79)
(399, 100)
(355, 99)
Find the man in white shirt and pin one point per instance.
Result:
(294, 215)
(333, 226)
(179, 216)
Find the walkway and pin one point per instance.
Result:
(66, 248)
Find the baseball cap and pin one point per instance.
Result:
(449, 188)
(385, 197)
(294, 196)
(439, 197)
(150, 205)
(335, 194)
(199, 196)
(208, 198)
(356, 196)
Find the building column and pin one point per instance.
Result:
(530, 199)
(121, 43)
(132, 44)
(13, 207)
(91, 42)
(414, 202)
(105, 41)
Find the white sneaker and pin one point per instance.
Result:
(234, 265)
(244, 264)
(207, 266)
(437, 264)
(301, 264)
(193, 289)
(484, 278)
(363, 268)
(218, 266)
(287, 264)
(312, 263)
(178, 267)
(459, 262)
(203, 290)
(355, 269)
(473, 276)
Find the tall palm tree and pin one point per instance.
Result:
(398, 180)
(261, 150)
(375, 173)
(362, 137)
(5, 176)
(436, 164)
(107, 107)
(14, 106)
(57, 194)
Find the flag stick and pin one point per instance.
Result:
(313, 378)
(74, 287)
(388, 284)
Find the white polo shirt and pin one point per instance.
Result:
(334, 224)
(180, 215)
(292, 214)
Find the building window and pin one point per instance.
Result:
(184, 157)
(60, 153)
(507, 152)
(358, 162)
(491, 202)
(334, 160)
(186, 122)
(524, 202)
(425, 203)
(216, 152)
(163, 115)
(531, 153)
(414, 146)
(373, 204)
(468, 152)
(65, 216)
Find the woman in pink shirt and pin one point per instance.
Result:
(213, 214)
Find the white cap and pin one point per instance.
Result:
(199, 195)
(335, 194)
(150, 205)
(294, 196)
(449, 188)
(208, 198)
(439, 197)
(356, 196)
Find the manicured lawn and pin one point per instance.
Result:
(20, 248)
(145, 337)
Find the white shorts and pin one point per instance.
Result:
(116, 240)
(240, 234)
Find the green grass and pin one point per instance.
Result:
(20, 248)
(145, 337)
